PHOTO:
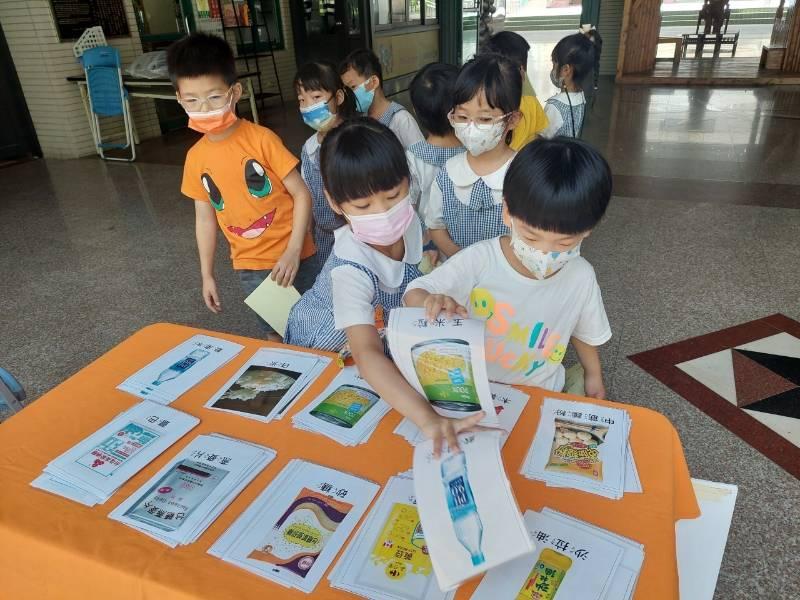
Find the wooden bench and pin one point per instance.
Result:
(678, 42)
(699, 40)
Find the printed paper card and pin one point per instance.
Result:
(443, 360)
(468, 511)
(567, 562)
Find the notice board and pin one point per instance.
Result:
(73, 16)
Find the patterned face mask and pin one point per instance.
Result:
(541, 264)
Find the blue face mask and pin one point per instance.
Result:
(318, 116)
(364, 97)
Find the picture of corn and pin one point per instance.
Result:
(444, 369)
(346, 405)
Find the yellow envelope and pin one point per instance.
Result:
(273, 303)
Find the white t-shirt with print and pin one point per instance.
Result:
(463, 178)
(528, 321)
(352, 288)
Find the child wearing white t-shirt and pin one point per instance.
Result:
(533, 289)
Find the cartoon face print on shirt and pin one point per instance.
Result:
(253, 194)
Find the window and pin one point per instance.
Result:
(415, 11)
(258, 23)
(399, 8)
(400, 13)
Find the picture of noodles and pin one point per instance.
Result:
(258, 390)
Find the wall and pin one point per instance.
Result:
(42, 63)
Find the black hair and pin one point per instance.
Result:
(561, 185)
(431, 94)
(360, 158)
(511, 45)
(578, 51)
(201, 54)
(496, 75)
(595, 38)
(364, 62)
(323, 76)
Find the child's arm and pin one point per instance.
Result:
(286, 268)
(206, 233)
(444, 242)
(384, 377)
(593, 373)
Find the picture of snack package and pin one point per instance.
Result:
(299, 536)
(346, 405)
(547, 574)
(398, 562)
(177, 494)
(444, 369)
(576, 449)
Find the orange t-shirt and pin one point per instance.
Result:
(242, 176)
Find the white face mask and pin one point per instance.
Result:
(541, 264)
(479, 140)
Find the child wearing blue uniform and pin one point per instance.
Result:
(361, 71)
(574, 58)
(465, 201)
(374, 258)
(325, 102)
(431, 94)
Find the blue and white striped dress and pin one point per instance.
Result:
(316, 322)
(402, 124)
(468, 205)
(424, 162)
(325, 220)
(560, 116)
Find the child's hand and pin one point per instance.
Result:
(440, 429)
(594, 387)
(285, 270)
(211, 295)
(438, 303)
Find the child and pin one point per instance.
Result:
(361, 71)
(324, 103)
(532, 118)
(532, 288)
(574, 58)
(240, 176)
(431, 94)
(465, 203)
(374, 257)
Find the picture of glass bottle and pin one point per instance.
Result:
(180, 367)
(461, 505)
(444, 369)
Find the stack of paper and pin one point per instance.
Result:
(443, 360)
(572, 559)
(183, 367)
(92, 470)
(585, 447)
(292, 532)
(180, 501)
(467, 509)
(388, 557)
(268, 383)
(508, 406)
(347, 411)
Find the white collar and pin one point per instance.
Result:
(312, 145)
(462, 175)
(389, 272)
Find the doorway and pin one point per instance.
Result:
(17, 136)
(328, 29)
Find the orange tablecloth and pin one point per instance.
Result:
(53, 548)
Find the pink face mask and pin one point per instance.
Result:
(383, 229)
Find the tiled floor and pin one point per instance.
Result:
(702, 235)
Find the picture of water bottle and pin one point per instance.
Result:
(181, 366)
(461, 504)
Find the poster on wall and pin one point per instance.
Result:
(72, 17)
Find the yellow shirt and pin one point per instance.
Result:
(533, 121)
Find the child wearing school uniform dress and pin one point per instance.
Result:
(374, 258)
(465, 202)
(361, 71)
(574, 58)
(325, 102)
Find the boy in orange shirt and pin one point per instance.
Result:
(241, 177)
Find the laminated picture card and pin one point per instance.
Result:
(467, 509)
(443, 360)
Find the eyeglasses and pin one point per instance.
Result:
(484, 123)
(214, 101)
